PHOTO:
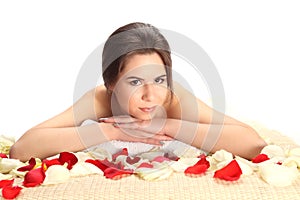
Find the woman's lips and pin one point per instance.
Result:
(147, 109)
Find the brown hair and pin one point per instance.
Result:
(131, 39)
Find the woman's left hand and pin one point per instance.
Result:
(153, 126)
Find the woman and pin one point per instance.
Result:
(140, 103)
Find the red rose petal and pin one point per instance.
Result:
(34, 177)
(114, 173)
(51, 162)
(260, 158)
(145, 165)
(28, 167)
(3, 155)
(11, 192)
(124, 152)
(199, 168)
(230, 172)
(101, 164)
(131, 161)
(160, 159)
(67, 157)
(171, 157)
(4, 183)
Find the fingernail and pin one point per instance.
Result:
(102, 119)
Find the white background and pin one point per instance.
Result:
(255, 46)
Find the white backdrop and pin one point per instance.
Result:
(255, 46)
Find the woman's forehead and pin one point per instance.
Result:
(143, 65)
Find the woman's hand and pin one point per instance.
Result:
(127, 128)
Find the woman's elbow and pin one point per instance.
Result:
(17, 152)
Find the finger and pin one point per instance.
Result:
(119, 119)
(146, 126)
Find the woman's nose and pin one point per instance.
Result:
(148, 92)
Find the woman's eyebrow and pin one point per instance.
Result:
(135, 77)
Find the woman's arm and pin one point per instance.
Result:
(239, 140)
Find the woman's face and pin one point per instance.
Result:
(141, 87)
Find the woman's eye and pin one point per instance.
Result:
(159, 80)
(135, 82)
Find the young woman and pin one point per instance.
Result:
(139, 102)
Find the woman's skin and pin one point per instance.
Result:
(152, 117)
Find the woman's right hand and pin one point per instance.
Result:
(116, 133)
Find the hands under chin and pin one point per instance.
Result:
(127, 128)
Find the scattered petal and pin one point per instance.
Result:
(145, 165)
(48, 163)
(245, 165)
(278, 175)
(133, 160)
(199, 168)
(4, 183)
(101, 164)
(84, 168)
(69, 158)
(260, 158)
(160, 159)
(114, 173)
(124, 152)
(34, 177)
(159, 172)
(294, 152)
(56, 174)
(292, 161)
(8, 164)
(28, 167)
(11, 192)
(222, 155)
(273, 151)
(3, 155)
(230, 172)
(183, 163)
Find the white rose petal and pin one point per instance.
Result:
(222, 155)
(159, 172)
(245, 165)
(100, 154)
(82, 156)
(56, 174)
(6, 165)
(83, 169)
(294, 152)
(278, 175)
(273, 151)
(183, 163)
(292, 161)
(5, 176)
(151, 154)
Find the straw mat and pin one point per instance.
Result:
(178, 186)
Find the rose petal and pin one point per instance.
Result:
(101, 164)
(159, 172)
(56, 174)
(124, 152)
(28, 167)
(183, 163)
(11, 192)
(160, 159)
(246, 166)
(199, 168)
(278, 175)
(222, 155)
(34, 177)
(260, 158)
(114, 173)
(294, 152)
(4, 183)
(273, 151)
(3, 155)
(145, 165)
(69, 158)
(8, 164)
(51, 162)
(132, 161)
(230, 172)
(84, 169)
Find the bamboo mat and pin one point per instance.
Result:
(178, 186)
